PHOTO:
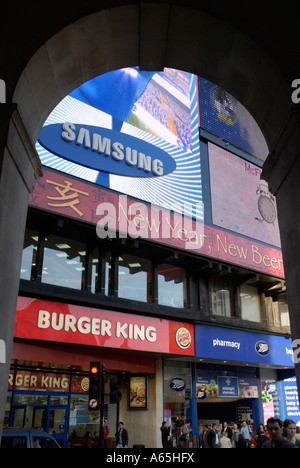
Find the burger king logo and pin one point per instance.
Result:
(85, 384)
(183, 338)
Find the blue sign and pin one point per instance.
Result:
(237, 345)
(106, 150)
(228, 387)
(177, 384)
(290, 399)
(262, 348)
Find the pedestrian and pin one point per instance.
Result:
(186, 430)
(289, 432)
(225, 442)
(212, 437)
(274, 426)
(165, 434)
(228, 430)
(241, 442)
(204, 437)
(121, 436)
(246, 431)
(105, 432)
(200, 436)
(235, 435)
(261, 436)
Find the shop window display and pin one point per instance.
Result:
(177, 397)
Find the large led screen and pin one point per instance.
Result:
(241, 201)
(133, 132)
(222, 115)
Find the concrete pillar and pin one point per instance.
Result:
(19, 168)
(282, 172)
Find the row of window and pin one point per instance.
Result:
(67, 263)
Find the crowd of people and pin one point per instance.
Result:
(274, 434)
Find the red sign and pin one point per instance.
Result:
(74, 198)
(53, 321)
(42, 381)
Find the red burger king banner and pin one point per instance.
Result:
(65, 323)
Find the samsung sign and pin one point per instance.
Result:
(106, 150)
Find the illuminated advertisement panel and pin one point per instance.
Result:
(241, 201)
(133, 132)
(222, 115)
(128, 137)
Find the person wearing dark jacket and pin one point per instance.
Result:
(165, 433)
(121, 436)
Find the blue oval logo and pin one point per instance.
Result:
(177, 384)
(106, 150)
(262, 348)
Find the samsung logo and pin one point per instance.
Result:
(262, 348)
(106, 150)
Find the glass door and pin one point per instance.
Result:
(59, 424)
(30, 416)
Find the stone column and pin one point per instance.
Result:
(19, 169)
(282, 172)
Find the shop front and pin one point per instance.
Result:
(48, 383)
(236, 376)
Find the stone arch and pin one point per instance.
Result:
(153, 36)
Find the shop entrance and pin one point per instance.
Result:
(52, 418)
(232, 411)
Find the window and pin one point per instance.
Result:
(250, 303)
(222, 297)
(29, 254)
(283, 311)
(135, 278)
(64, 262)
(172, 289)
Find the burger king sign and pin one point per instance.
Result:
(183, 338)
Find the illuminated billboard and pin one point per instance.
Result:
(224, 116)
(133, 132)
(240, 200)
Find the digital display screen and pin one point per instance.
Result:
(222, 115)
(160, 109)
(241, 201)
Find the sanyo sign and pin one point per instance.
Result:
(106, 150)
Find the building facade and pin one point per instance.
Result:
(171, 276)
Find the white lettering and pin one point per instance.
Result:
(68, 133)
(104, 145)
(84, 137)
(43, 319)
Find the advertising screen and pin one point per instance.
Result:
(222, 115)
(133, 132)
(129, 141)
(241, 201)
